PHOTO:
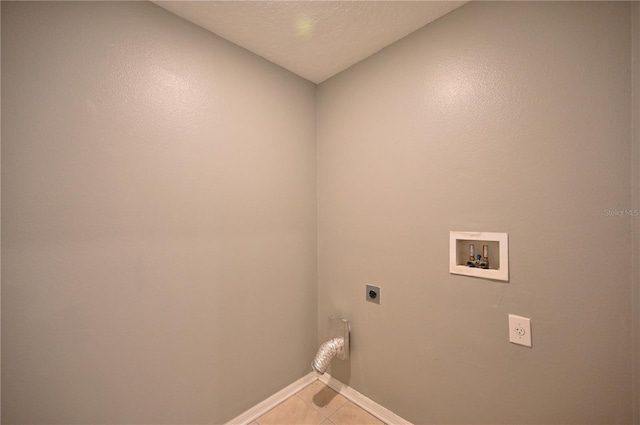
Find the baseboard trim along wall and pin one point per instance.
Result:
(264, 406)
(385, 415)
(380, 412)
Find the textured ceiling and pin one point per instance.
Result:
(314, 39)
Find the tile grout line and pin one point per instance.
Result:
(349, 394)
(309, 404)
(316, 408)
(346, 401)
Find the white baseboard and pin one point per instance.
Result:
(380, 412)
(263, 407)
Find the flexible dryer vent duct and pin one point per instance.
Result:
(327, 351)
(337, 346)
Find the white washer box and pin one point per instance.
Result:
(498, 244)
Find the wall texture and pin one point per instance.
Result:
(158, 243)
(635, 158)
(159, 233)
(509, 117)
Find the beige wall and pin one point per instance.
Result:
(158, 246)
(159, 190)
(636, 205)
(509, 117)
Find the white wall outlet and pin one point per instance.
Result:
(520, 330)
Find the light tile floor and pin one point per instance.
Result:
(314, 405)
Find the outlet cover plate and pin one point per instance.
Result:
(373, 294)
(520, 330)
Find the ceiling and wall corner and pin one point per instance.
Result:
(313, 39)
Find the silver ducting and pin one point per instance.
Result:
(339, 331)
(327, 351)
